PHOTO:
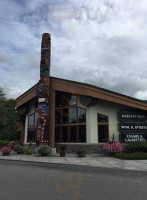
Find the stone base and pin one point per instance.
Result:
(73, 148)
(53, 150)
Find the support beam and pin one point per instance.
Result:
(52, 119)
(22, 128)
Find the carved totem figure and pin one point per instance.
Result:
(43, 89)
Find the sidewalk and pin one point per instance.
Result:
(90, 160)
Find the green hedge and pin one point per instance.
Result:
(4, 143)
(131, 156)
(136, 147)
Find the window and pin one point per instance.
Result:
(70, 119)
(103, 128)
(31, 120)
(73, 115)
(31, 135)
(64, 116)
(32, 123)
(65, 99)
(81, 115)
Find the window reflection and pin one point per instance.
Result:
(73, 115)
(65, 99)
(73, 100)
(64, 116)
(31, 120)
(70, 119)
(36, 118)
(81, 115)
(102, 118)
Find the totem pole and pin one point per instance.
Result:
(43, 90)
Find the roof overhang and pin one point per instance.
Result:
(27, 96)
(84, 89)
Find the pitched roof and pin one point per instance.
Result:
(84, 89)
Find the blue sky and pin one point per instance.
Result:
(101, 42)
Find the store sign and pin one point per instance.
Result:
(132, 116)
(133, 137)
(126, 126)
(132, 126)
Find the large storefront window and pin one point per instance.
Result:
(103, 128)
(32, 123)
(70, 119)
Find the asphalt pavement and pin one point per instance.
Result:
(43, 181)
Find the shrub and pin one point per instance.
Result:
(12, 144)
(29, 151)
(19, 149)
(138, 146)
(44, 150)
(81, 153)
(132, 156)
(6, 150)
(3, 143)
(112, 147)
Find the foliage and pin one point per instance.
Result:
(8, 118)
(112, 147)
(3, 143)
(6, 150)
(113, 137)
(81, 153)
(138, 146)
(19, 149)
(29, 151)
(132, 156)
(12, 144)
(63, 148)
(44, 150)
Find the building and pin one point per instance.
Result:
(57, 111)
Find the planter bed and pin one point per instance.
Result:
(131, 156)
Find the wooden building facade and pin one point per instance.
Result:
(57, 111)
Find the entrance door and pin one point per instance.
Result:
(103, 128)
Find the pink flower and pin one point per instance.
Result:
(6, 150)
(112, 147)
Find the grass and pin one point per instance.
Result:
(131, 156)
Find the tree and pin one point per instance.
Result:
(8, 118)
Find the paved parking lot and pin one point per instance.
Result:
(43, 181)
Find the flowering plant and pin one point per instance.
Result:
(6, 150)
(12, 144)
(112, 147)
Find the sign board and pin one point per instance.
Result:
(132, 126)
(131, 116)
(133, 137)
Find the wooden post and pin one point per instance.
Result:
(52, 119)
(22, 129)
